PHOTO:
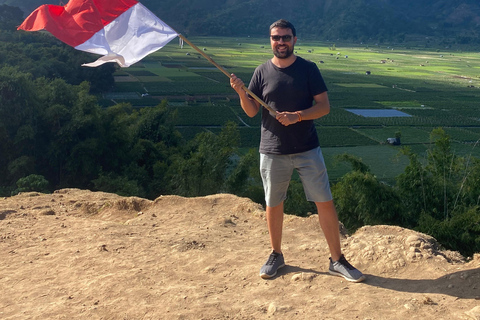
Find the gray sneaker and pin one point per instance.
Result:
(342, 268)
(269, 269)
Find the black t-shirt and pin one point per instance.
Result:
(287, 89)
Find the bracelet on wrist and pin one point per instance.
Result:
(299, 116)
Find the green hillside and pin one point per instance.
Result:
(358, 20)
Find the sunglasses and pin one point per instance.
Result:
(285, 38)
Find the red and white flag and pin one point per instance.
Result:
(123, 31)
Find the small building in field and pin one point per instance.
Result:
(393, 141)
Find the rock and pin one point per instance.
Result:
(47, 212)
(274, 309)
(474, 313)
(303, 276)
(210, 269)
(409, 306)
(297, 277)
(428, 301)
(414, 241)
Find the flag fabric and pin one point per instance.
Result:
(122, 31)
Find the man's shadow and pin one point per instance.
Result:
(294, 269)
(462, 284)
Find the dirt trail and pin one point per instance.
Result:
(77, 254)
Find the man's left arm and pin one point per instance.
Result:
(318, 110)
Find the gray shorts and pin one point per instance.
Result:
(276, 171)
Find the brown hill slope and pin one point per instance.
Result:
(78, 254)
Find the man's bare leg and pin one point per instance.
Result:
(275, 226)
(339, 266)
(327, 215)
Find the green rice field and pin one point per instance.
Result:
(436, 87)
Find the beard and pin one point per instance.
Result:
(284, 54)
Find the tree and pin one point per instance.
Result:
(10, 17)
(72, 135)
(441, 195)
(446, 170)
(154, 141)
(245, 180)
(18, 124)
(120, 185)
(414, 186)
(460, 233)
(202, 168)
(361, 199)
(469, 193)
(33, 182)
(296, 203)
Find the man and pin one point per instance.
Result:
(294, 88)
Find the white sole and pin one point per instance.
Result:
(338, 274)
(267, 276)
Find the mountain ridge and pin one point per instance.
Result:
(345, 20)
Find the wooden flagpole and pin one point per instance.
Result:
(227, 74)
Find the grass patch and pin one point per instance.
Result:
(384, 161)
(408, 136)
(359, 85)
(137, 73)
(341, 136)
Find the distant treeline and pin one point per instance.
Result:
(54, 134)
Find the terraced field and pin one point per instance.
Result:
(436, 87)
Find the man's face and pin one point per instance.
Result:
(282, 48)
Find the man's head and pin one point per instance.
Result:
(282, 38)
(283, 24)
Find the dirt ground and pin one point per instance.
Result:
(76, 254)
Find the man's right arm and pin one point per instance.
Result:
(250, 106)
